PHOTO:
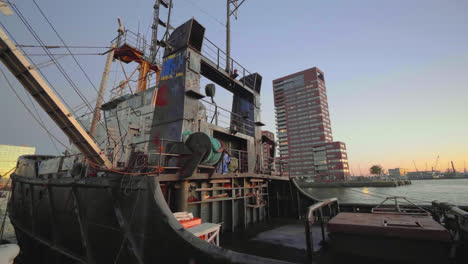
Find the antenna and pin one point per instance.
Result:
(155, 43)
(229, 13)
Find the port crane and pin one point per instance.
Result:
(436, 163)
(420, 174)
(453, 168)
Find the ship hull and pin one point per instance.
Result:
(109, 219)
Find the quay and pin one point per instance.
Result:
(354, 184)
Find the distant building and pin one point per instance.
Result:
(397, 172)
(304, 130)
(268, 149)
(9, 155)
(415, 175)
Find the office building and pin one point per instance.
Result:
(397, 172)
(9, 155)
(304, 129)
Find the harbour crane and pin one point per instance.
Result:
(420, 174)
(436, 162)
(453, 168)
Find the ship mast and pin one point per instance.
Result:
(102, 89)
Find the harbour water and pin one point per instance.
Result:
(420, 192)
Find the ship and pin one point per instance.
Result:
(158, 179)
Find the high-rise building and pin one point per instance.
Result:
(304, 130)
(9, 155)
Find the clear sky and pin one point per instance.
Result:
(396, 71)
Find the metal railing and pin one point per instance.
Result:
(137, 41)
(316, 212)
(218, 57)
(220, 116)
(274, 166)
(455, 220)
(242, 158)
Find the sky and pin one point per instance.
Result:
(395, 71)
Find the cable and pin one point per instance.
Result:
(42, 121)
(53, 59)
(66, 54)
(8, 172)
(40, 124)
(206, 13)
(58, 65)
(62, 47)
(63, 42)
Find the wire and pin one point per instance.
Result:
(58, 65)
(5, 174)
(63, 42)
(30, 112)
(53, 59)
(61, 47)
(42, 121)
(206, 13)
(66, 54)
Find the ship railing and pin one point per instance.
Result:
(241, 157)
(238, 160)
(219, 58)
(166, 161)
(222, 117)
(137, 41)
(321, 212)
(454, 219)
(274, 166)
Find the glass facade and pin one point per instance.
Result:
(9, 155)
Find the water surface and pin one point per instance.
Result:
(419, 192)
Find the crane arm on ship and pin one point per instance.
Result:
(22, 69)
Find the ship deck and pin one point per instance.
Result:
(206, 176)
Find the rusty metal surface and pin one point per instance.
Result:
(389, 225)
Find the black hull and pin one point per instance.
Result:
(111, 219)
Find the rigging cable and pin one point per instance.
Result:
(53, 59)
(30, 112)
(57, 64)
(65, 54)
(63, 42)
(62, 47)
(42, 121)
(206, 13)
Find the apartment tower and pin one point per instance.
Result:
(304, 130)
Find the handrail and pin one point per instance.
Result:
(219, 57)
(334, 209)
